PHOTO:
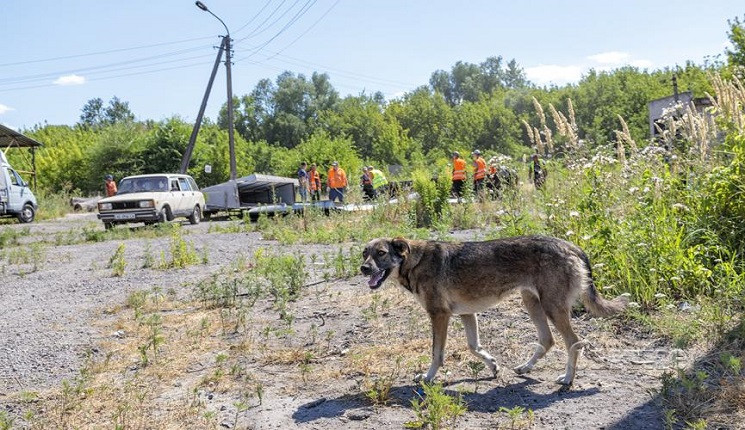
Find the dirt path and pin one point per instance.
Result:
(56, 315)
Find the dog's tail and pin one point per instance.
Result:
(594, 302)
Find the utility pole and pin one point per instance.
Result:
(231, 133)
(675, 88)
(198, 123)
(225, 45)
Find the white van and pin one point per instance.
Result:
(16, 198)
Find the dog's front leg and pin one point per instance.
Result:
(439, 337)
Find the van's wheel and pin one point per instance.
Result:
(196, 215)
(108, 225)
(27, 214)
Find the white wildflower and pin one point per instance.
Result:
(574, 214)
(569, 233)
(634, 305)
(659, 296)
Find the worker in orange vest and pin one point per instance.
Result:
(459, 174)
(337, 182)
(314, 185)
(479, 171)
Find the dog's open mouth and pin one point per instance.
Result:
(377, 278)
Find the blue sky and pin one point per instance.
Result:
(57, 55)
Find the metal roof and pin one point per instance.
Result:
(257, 182)
(10, 138)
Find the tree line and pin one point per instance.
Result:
(489, 106)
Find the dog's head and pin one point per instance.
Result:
(383, 257)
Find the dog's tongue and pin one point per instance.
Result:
(375, 278)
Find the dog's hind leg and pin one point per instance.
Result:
(439, 337)
(545, 340)
(471, 323)
(561, 319)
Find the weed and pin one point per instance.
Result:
(519, 417)
(6, 422)
(378, 390)
(475, 367)
(117, 263)
(435, 408)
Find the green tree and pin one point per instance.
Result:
(736, 35)
(165, 145)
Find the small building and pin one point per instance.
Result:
(10, 138)
(658, 107)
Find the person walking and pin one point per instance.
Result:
(479, 171)
(379, 181)
(110, 186)
(459, 174)
(336, 182)
(302, 178)
(314, 183)
(538, 172)
(367, 184)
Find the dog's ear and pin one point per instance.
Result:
(401, 246)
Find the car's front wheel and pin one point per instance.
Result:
(196, 215)
(27, 214)
(163, 215)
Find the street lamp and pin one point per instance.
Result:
(226, 46)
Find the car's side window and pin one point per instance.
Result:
(184, 184)
(193, 184)
(174, 185)
(14, 178)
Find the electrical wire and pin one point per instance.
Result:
(307, 30)
(308, 4)
(267, 19)
(110, 51)
(31, 78)
(255, 16)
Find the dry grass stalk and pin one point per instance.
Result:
(544, 126)
(729, 100)
(572, 117)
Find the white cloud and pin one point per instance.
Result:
(554, 74)
(4, 109)
(69, 80)
(610, 58)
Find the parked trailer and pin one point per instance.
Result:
(257, 194)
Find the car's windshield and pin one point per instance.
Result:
(143, 184)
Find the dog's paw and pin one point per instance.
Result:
(564, 380)
(525, 368)
(494, 369)
(421, 377)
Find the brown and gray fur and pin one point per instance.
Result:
(451, 278)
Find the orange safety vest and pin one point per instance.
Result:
(459, 169)
(315, 180)
(492, 170)
(480, 172)
(337, 179)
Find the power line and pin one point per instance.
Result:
(255, 16)
(267, 19)
(202, 63)
(307, 30)
(308, 4)
(31, 78)
(110, 51)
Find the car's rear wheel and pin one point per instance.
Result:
(27, 214)
(196, 215)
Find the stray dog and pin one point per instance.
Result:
(451, 278)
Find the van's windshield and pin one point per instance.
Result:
(143, 184)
